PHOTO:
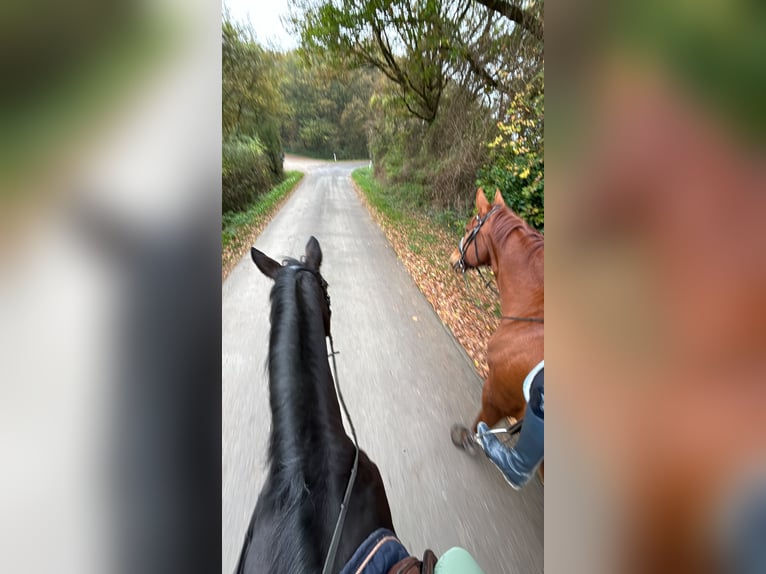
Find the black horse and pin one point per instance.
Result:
(310, 457)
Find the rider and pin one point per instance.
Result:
(518, 463)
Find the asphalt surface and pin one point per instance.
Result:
(404, 378)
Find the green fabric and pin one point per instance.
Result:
(457, 561)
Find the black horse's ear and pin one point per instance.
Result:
(266, 264)
(313, 254)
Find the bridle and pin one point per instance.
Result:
(322, 283)
(335, 541)
(465, 241)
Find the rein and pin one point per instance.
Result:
(461, 263)
(335, 540)
(503, 317)
(530, 319)
(331, 553)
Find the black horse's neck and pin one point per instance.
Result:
(306, 419)
(310, 456)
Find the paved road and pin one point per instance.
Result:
(404, 378)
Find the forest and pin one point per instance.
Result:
(446, 95)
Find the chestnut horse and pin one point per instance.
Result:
(514, 250)
(669, 200)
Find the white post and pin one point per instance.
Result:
(335, 157)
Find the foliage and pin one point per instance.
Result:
(250, 93)
(361, 33)
(393, 201)
(450, 72)
(236, 224)
(455, 146)
(63, 76)
(443, 156)
(245, 172)
(516, 165)
(404, 202)
(423, 46)
(326, 109)
(240, 229)
(395, 134)
(251, 112)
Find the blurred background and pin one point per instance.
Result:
(655, 278)
(110, 190)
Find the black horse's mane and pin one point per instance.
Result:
(297, 360)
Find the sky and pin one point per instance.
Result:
(264, 16)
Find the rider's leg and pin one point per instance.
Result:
(519, 463)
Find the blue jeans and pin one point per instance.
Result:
(518, 463)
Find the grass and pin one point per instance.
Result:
(401, 202)
(238, 228)
(234, 223)
(405, 205)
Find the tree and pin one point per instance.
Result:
(327, 109)
(526, 18)
(458, 74)
(249, 87)
(251, 110)
(422, 46)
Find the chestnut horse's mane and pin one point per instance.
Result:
(506, 222)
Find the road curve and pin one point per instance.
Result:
(404, 377)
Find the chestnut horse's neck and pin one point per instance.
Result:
(516, 252)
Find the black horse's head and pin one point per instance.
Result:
(310, 264)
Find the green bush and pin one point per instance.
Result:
(442, 157)
(516, 161)
(235, 225)
(524, 193)
(246, 172)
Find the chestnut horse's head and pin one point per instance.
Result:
(473, 249)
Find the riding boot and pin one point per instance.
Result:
(517, 464)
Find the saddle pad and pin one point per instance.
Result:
(377, 554)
